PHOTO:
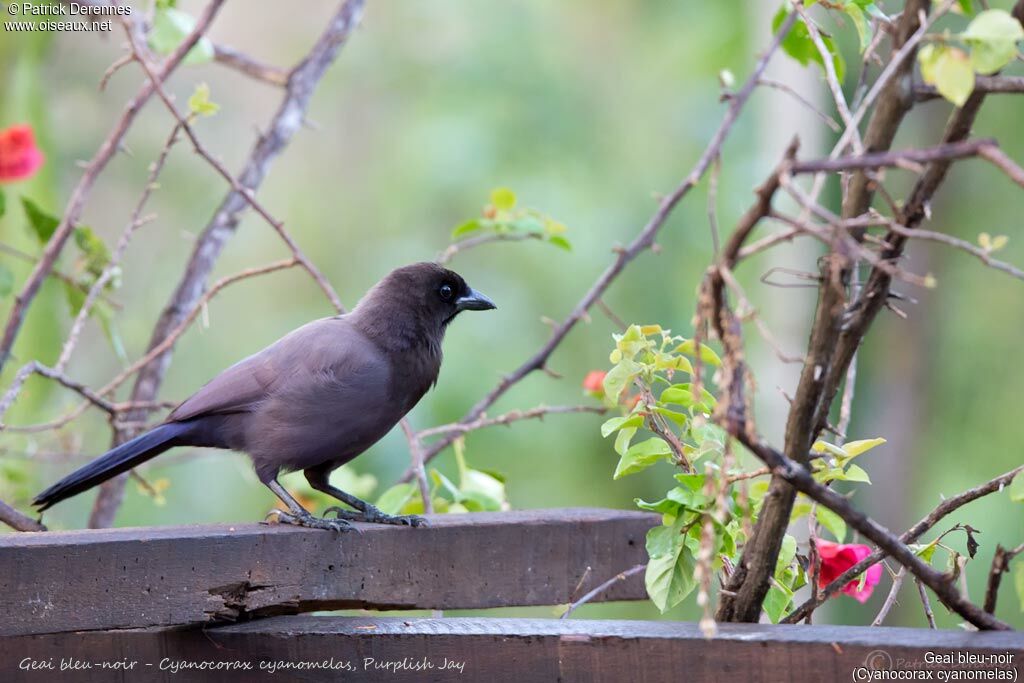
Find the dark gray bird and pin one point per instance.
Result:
(314, 399)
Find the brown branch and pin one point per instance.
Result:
(237, 186)
(286, 121)
(945, 152)
(926, 603)
(989, 85)
(81, 192)
(890, 599)
(464, 245)
(250, 66)
(460, 428)
(801, 479)
(18, 521)
(621, 576)
(1000, 565)
(945, 508)
(643, 241)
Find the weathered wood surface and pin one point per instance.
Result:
(497, 650)
(136, 578)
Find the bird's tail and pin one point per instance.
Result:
(114, 462)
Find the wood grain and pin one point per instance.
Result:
(200, 575)
(500, 650)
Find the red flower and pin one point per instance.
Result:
(836, 558)
(19, 156)
(593, 383)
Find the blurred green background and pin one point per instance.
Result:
(589, 111)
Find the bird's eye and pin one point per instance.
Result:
(445, 292)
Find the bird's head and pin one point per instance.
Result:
(419, 299)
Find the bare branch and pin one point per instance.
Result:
(81, 192)
(945, 508)
(1000, 565)
(250, 66)
(643, 241)
(460, 428)
(18, 521)
(621, 576)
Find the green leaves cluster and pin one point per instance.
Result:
(504, 216)
(476, 491)
(987, 45)
(651, 360)
(652, 381)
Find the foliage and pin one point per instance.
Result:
(651, 361)
(503, 217)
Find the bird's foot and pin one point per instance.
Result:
(373, 515)
(311, 522)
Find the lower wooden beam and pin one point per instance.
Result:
(498, 650)
(200, 575)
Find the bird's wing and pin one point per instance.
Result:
(244, 385)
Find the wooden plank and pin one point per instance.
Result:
(499, 650)
(136, 578)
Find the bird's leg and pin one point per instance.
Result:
(366, 511)
(300, 516)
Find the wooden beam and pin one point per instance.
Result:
(170, 576)
(499, 650)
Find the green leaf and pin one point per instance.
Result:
(965, 6)
(707, 354)
(641, 456)
(503, 198)
(926, 552)
(787, 552)
(3, 203)
(664, 506)
(860, 22)
(42, 223)
(949, 70)
(170, 28)
(395, 498)
(777, 601)
(833, 522)
(623, 439)
(694, 482)
(857, 473)
(799, 45)
(95, 251)
(560, 242)
(617, 423)
(476, 483)
(469, 226)
(199, 103)
(619, 377)
(6, 280)
(992, 37)
(855, 448)
(669, 577)
(1017, 488)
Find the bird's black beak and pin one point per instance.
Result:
(474, 301)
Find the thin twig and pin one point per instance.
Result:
(890, 599)
(643, 241)
(464, 245)
(460, 428)
(18, 521)
(926, 603)
(1000, 565)
(945, 508)
(621, 576)
(81, 192)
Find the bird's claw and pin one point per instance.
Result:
(309, 521)
(375, 516)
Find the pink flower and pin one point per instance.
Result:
(19, 156)
(836, 558)
(593, 383)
